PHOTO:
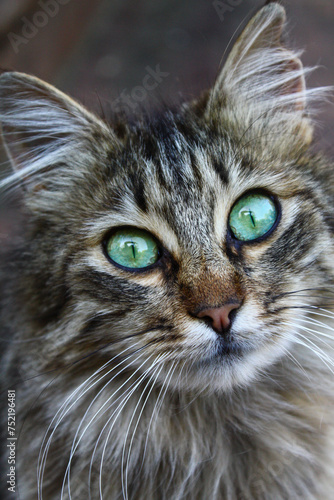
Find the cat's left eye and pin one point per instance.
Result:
(132, 248)
(253, 216)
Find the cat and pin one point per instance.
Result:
(169, 300)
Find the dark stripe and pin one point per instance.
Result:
(293, 244)
(220, 168)
(149, 147)
(109, 288)
(246, 165)
(138, 191)
(98, 321)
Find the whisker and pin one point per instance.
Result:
(75, 443)
(155, 376)
(316, 322)
(118, 410)
(329, 314)
(306, 342)
(62, 412)
(158, 404)
(324, 358)
(306, 307)
(46, 445)
(314, 310)
(314, 333)
(297, 363)
(102, 410)
(295, 292)
(133, 385)
(87, 356)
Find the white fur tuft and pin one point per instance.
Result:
(41, 126)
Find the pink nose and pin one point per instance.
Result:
(219, 317)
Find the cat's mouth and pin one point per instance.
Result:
(230, 347)
(232, 360)
(227, 347)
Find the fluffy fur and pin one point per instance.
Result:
(123, 392)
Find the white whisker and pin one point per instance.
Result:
(151, 382)
(306, 342)
(76, 443)
(63, 410)
(117, 411)
(98, 415)
(314, 333)
(296, 362)
(158, 403)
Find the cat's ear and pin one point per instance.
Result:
(43, 128)
(261, 77)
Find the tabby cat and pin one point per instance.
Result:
(169, 300)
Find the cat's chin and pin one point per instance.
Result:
(232, 365)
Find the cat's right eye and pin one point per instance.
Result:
(253, 216)
(132, 248)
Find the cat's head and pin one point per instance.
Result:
(178, 243)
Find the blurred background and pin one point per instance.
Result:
(101, 51)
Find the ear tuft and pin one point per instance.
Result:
(261, 75)
(41, 127)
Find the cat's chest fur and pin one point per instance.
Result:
(266, 442)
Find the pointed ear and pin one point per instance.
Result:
(261, 75)
(42, 128)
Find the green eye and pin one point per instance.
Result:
(132, 248)
(252, 216)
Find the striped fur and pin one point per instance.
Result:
(122, 391)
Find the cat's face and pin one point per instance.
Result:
(183, 200)
(228, 209)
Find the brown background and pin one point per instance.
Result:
(95, 49)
